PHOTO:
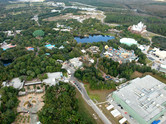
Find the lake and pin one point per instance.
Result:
(94, 38)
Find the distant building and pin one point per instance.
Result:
(128, 41)
(143, 98)
(6, 46)
(94, 49)
(83, 51)
(61, 47)
(49, 46)
(30, 48)
(138, 29)
(76, 62)
(55, 11)
(21, 93)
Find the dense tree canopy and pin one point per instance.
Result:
(93, 76)
(8, 106)
(159, 42)
(61, 106)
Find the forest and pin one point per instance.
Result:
(124, 70)
(61, 106)
(94, 77)
(8, 105)
(159, 42)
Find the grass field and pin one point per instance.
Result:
(10, 6)
(97, 95)
(138, 74)
(86, 111)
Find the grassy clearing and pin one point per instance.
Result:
(138, 74)
(148, 61)
(86, 111)
(97, 95)
(108, 114)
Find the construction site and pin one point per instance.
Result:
(119, 55)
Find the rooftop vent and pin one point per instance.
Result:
(142, 94)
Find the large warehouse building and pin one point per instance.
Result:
(143, 98)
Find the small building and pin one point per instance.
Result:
(110, 107)
(6, 46)
(123, 120)
(162, 68)
(60, 61)
(20, 93)
(94, 49)
(115, 113)
(49, 46)
(83, 51)
(39, 91)
(91, 60)
(54, 10)
(30, 48)
(61, 47)
(143, 98)
(128, 41)
(31, 91)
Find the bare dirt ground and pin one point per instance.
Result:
(84, 15)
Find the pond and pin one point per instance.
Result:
(94, 38)
(6, 62)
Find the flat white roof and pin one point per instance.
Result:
(122, 120)
(115, 113)
(52, 77)
(110, 107)
(145, 96)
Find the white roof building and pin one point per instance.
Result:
(123, 120)
(53, 78)
(143, 98)
(110, 107)
(83, 51)
(159, 53)
(76, 62)
(16, 83)
(115, 113)
(128, 41)
(139, 27)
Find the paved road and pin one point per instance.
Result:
(82, 90)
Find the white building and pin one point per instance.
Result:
(54, 10)
(139, 28)
(128, 41)
(16, 83)
(83, 51)
(76, 62)
(53, 78)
